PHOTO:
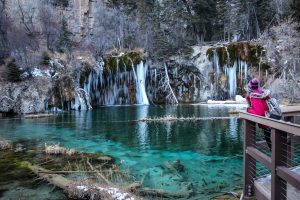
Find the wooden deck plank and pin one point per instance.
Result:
(290, 110)
(276, 124)
(263, 184)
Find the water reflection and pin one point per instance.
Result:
(202, 146)
(142, 128)
(83, 120)
(233, 127)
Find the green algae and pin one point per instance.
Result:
(125, 144)
(122, 62)
(15, 174)
(223, 57)
(232, 51)
(210, 53)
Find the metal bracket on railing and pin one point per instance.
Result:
(249, 190)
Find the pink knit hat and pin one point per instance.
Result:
(253, 84)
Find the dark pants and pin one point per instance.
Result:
(267, 133)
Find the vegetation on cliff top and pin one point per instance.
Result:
(248, 51)
(121, 61)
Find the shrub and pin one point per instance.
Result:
(13, 71)
(63, 3)
(45, 58)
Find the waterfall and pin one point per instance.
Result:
(231, 75)
(82, 100)
(236, 73)
(141, 94)
(216, 62)
(122, 85)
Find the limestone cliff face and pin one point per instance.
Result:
(24, 97)
(79, 14)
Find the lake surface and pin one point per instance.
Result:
(209, 150)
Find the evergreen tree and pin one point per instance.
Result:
(296, 10)
(64, 3)
(205, 13)
(4, 24)
(264, 13)
(13, 72)
(64, 42)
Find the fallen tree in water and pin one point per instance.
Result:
(170, 118)
(85, 189)
(80, 189)
(89, 175)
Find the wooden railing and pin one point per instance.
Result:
(278, 161)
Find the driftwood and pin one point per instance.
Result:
(38, 115)
(88, 190)
(80, 189)
(146, 192)
(170, 118)
(5, 144)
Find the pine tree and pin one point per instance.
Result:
(13, 72)
(64, 42)
(64, 3)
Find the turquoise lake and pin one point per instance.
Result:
(209, 150)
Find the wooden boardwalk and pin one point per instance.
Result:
(264, 185)
(281, 161)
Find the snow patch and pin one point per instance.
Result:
(238, 100)
(36, 72)
(115, 193)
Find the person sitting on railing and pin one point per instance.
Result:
(256, 99)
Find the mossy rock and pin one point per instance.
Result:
(232, 51)
(136, 57)
(247, 51)
(45, 58)
(110, 64)
(221, 51)
(124, 62)
(85, 72)
(265, 66)
(210, 53)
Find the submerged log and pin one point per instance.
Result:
(136, 188)
(80, 189)
(89, 190)
(41, 115)
(146, 192)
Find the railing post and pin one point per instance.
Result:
(290, 150)
(249, 162)
(279, 158)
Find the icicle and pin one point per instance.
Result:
(231, 75)
(216, 62)
(140, 85)
(82, 100)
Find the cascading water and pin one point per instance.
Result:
(216, 62)
(82, 100)
(119, 86)
(235, 74)
(141, 95)
(231, 76)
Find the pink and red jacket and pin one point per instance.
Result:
(257, 103)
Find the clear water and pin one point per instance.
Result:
(210, 151)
